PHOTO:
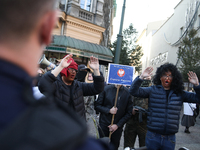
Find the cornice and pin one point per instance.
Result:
(61, 15)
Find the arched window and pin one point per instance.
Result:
(86, 4)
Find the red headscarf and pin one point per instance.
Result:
(65, 71)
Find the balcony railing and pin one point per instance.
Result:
(85, 15)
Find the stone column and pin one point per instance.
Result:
(99, 13)
(73, 9)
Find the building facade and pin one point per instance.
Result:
(162, 46)
(84, 29)
(145, 41)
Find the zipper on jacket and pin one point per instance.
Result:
(166, 111)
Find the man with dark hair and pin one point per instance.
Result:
(165, 99)
(25, 123)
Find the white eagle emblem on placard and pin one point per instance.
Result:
(120, 72)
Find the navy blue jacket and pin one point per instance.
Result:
(163, 112)
(14, 81)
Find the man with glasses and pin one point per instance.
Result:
(166, 97)
(69, 92)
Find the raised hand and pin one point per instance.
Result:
(147, 73)
(94, 64)
(192, 77)
(64, 62)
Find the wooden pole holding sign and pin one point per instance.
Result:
(118, 86)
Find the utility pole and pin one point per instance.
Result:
(66, 2)
(119, 36)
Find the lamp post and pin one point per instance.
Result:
(119, 36)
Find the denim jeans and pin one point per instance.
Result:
(155, 141)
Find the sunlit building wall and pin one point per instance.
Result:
(165, 42)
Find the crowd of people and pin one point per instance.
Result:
(50, 110)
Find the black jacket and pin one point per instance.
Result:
(73, 97)
(30, 124)
(106, 101)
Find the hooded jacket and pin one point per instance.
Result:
(64, 95)
(163, 112)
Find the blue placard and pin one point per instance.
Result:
(120, 74)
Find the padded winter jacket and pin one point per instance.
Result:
(78, 90)
(163, 112)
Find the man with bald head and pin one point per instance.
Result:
(25, 28)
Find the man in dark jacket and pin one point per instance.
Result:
(70, 92)
(25, 123)
(122, 112)
(165, 102)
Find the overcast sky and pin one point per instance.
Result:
(141, 12)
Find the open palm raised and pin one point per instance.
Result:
(94, 63)
(192, 77)
(147, 73)
(65, 61)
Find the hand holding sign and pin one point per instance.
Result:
(113, 110)
(113, 128)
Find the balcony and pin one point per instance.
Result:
(85, 15)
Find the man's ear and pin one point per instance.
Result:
(47, 25)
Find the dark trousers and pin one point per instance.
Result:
(115, 137)
(132, 130)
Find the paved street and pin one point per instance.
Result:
(190, 141)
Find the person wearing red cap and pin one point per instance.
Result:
(70, 92)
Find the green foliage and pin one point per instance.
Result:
(189, 54)
(130, 52)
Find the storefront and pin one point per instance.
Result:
(81, 50)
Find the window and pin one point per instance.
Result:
(86, 4)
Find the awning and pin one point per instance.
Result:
(66, 44)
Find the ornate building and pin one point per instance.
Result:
(84, 29)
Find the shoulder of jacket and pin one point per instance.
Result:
(154, 87)
(125, 88)
(77, 83)
(109, 86)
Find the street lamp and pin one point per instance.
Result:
(119, 36)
